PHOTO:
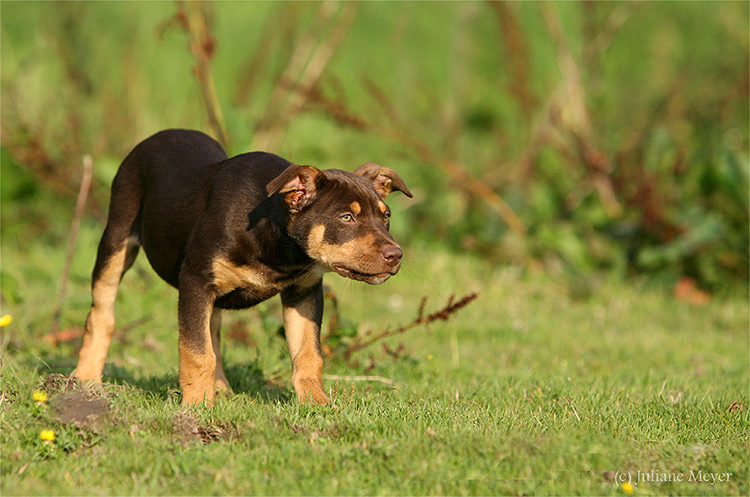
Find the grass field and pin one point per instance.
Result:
(576, 369)
(528, 390)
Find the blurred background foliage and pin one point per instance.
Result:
(597, 138)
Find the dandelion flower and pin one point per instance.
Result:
(627, 488)
(429, 357)
(40, 396)
(6, 320)
(47, 435)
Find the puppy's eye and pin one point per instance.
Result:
(347, 218)
(387, 215)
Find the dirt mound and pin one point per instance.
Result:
(187, 428)
(82, 410)
(73, 403)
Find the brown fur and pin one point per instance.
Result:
(303, 339)
(100, 323)
(230, 233)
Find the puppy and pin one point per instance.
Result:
(230, 233)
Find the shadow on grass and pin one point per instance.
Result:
(245, 378)
(248, 378)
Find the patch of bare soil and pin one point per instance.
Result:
(82, 410)
(85, 407)
(187, 429)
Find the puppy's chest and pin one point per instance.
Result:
(244, 285)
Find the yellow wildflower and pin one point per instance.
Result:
(40, 396)
(429, 357)
(628, 488)
(6, 320)
(47, 435)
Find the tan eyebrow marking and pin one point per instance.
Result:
(355, 207)
(382, 207)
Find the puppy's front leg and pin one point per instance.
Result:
(303, 312)
(197, 358)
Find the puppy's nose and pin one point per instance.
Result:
(391, 254)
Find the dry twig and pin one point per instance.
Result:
(565, 122)
(362, 341)
(304, 70)
(463, 179)
(568, 113)
(379, 379)
(83, 194)
(516, 52)
(202, 46)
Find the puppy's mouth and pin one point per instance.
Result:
(371, 278)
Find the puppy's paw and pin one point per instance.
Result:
(87, 374)
(310, 390)
(195, 396)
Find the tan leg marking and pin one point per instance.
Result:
(307, 363)
(196, 376)
(221, 384)
(197, 358)
(100, 322)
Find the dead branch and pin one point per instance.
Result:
(27, 145)
(574, 118)
(362, 341)
(565, 122)
(379, 379)
(616, 20)
(380, 97)
(83, 194)
(515, 51)
(28, 150)
(462, 178)
(301, 54)
(252, 71)
(203, 46)
(302, 73)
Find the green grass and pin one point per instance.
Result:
(555, 381)
(526, 391)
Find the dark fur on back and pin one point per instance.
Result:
(231, 232)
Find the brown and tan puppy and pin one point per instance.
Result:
(230, 233)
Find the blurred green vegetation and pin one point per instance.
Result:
(617, 132)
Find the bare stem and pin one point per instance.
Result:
(463, 179)
(83, 193)
(379, 379)
(443, 314)
(306, 66)
(202, 46)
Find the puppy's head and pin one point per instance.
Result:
(340, 218)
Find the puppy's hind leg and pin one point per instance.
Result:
(117, 251)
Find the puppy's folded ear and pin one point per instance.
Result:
(384, 179)
(297, 185)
